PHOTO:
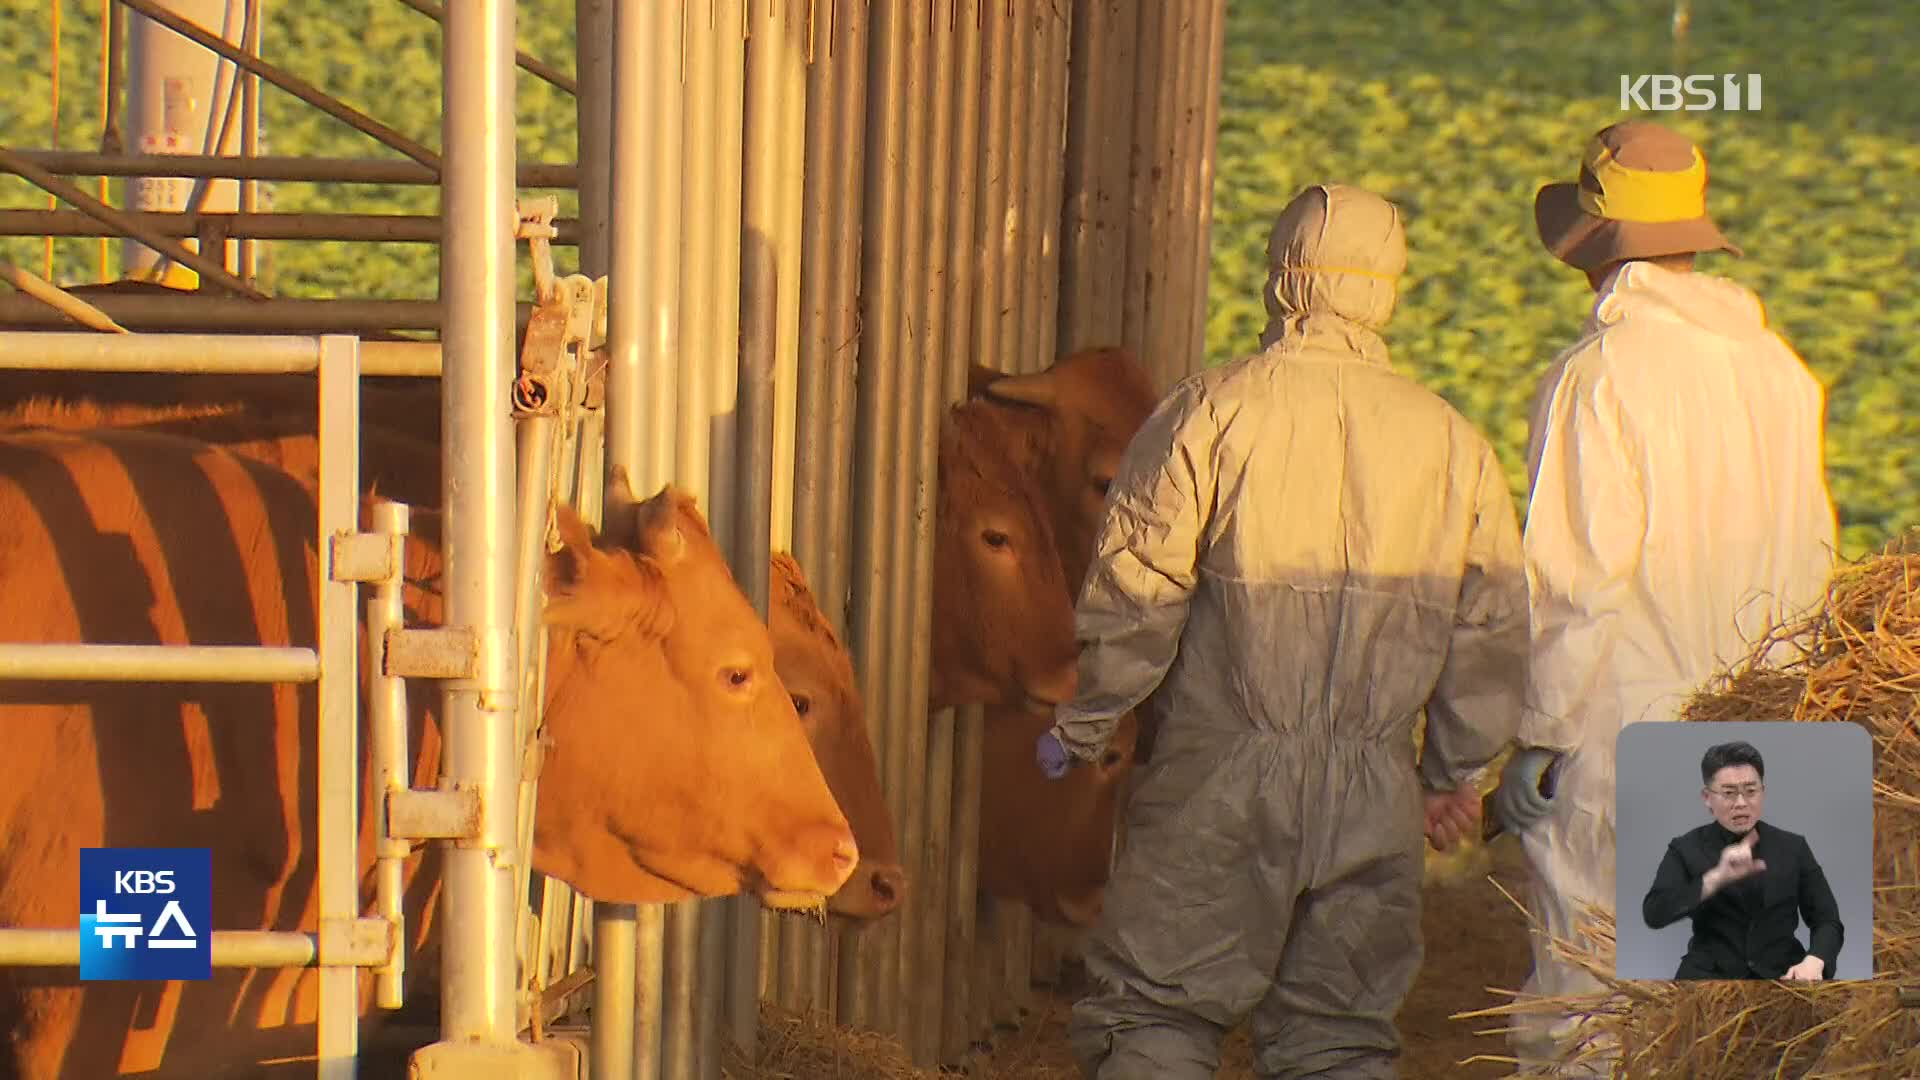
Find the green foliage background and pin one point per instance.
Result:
(1458, 111)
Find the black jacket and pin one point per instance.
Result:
(1747, 929)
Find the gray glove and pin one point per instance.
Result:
(1525, 793)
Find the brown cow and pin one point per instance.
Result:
(270, 427)
(1048, 843)
(141, 537)
(818, 674)
(1077, 418)
(1002, 616)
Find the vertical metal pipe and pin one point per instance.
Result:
(769, 307)
(866, 959)
(1093, 228)
(1053, 187)
(478, 286)
(1142, 190)
(593, 109)
(1209, 151)
(387, 729)
(834, 209)
(957, 1028)
(249, 137)
(1019, 204)
(946, 854)
(613, 993)
(651, 172)
(1039, 156)
(1185, 297)
(618, 948)
(338, 812)
(996, 344)
(536, 452)
(698, 310)
(931, 56)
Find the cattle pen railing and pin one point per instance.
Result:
(345, 941)
(808, 220)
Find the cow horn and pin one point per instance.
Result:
(1035, 389)
(618, 507)
(655, 532)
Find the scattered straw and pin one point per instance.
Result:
(1856, 659)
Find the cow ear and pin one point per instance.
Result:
(1035, 389)
(656, 528)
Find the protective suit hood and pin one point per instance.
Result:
(1711, 303)
(1335, 255)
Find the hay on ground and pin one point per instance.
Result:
(1856, 659)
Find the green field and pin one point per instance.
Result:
(1458, 111)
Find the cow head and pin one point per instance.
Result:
(675, 763)
(1095, 401)
(818, 674)
(1048, 843)
(1002, 615)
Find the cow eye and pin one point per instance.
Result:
(1102, 483)
(802, 704)
(737, 678)
(995, 538)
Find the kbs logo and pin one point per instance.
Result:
(146, 913)
(1695, 93)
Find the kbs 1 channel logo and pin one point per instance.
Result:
(146, 913)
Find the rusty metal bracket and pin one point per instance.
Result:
(445, 652)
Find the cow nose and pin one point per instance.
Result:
(888, 884)
(1049, 690)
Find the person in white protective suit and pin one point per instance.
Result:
(1301, 551)
(1679, 508)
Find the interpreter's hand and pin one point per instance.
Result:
(1451, 816)
(1812, 969)
(1736, 863)
(1518, 800)
(1051, 756)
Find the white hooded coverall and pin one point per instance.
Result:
(1679, 510)
(1302, 549)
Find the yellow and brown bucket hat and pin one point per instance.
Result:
(1642, 193)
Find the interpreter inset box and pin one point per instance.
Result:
(1743, 850)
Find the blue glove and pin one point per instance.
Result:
(1052, 757)
(1525, 793)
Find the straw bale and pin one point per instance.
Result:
(1856, 659)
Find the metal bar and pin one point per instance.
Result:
(477, 1006)
(315, 170)
(963, 884)
(250, 132)
(621, 156)
(926, 284)
(158, 663)
(152, 314)
(534, 468)
(380, 228)
(593, 117)
(766, 188)
(613, 1000)
(649, 992)
(203, 354)
(1209, 151)
(1051, 152)
(59, 299)
(532, 64)
(333, 107)
(126, 225)
(1142, 151)
(649, 170)
(828, 280)
(1172, 245)
(387, 733)
(231, 949)
(680, 964)
(339, 752)
(868, 961)
(1093, 220)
